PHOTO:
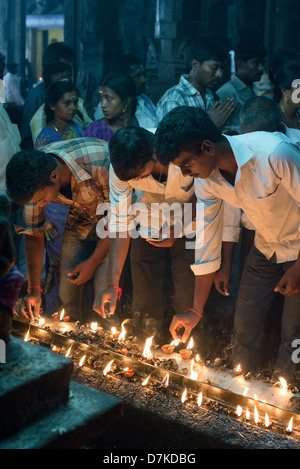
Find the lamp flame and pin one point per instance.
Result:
(26, 338)
(107, 368)
(289, 428)
(41, 321)
(256, 415)
(267, 420)
(62, 314)
(175, 343)
(194, 374)
(145, 382)
(68, 351)
(200, 399)
(190, 344)
(82, 360)
(147, 349)
(165, 381)
(247, 414)
(283, 383)
(239, 411)
(123, 333)
(94, 326)
(183, 396)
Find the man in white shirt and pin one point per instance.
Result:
(260, 173)
(158, 189)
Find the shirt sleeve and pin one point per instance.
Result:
(120, 199)
(34, 220)
(285, 162)
(232, 223)
(209, 231)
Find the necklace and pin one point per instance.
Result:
(61, 133)
(288, 119)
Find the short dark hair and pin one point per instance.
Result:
(54, 69)
(183, 128)
(130, 148)
(250, 49)
(260, 114)
(284, 77)
(56, 51)
(55, 92)
(27, 172)
(124, 62)
(206, 49)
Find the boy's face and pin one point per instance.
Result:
(48, 194)
(209, 73)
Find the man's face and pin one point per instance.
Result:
(209, 73)
(138, 73)
(195, 164)
(251, 70)
(48, 194)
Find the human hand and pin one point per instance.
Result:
(221, 280)
(186, 321)
(163, 242)
(30, 306)
(221, 112)
(109, 295)
(81, 273)
(289, 284)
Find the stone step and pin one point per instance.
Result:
(33, 381)
(83, 418)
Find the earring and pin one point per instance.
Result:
(125, 108)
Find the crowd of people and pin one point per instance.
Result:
(100, 200)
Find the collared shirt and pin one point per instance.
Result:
(88, 161)
(183, 94)
(150, 195)
(38, 121)
(267, 189)
(10, 140)
(240, 92)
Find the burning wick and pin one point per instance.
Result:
(183, 397)
(256, 415)
(247, 414)
(114, 332)
(68, 352)
(267, 421)
(128, 372)
(41, 321)
(62, 316)
(26, 338)
(56, 349)
(107, 368)
(239, 411)
(169, 348)
(187, 353)
(165, 381)
(145, 382)
(82, 360)
(94, 326)
(289, 428)
(238, 370)
(123, 333)
(200, 399)
(283, 384)
(194, 374)
(147, 349)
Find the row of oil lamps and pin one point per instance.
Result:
(167, 349)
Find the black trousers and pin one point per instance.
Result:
(256, 294)
(162, 281)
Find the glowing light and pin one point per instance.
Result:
(283, 383)
(237, 370)
(165, 381)
(68, 352)
(245, 391)
(82, 360)
(183, 396)
(247, 414)
(123, 333)
(200, 399)
(41, 321)
(94, 326)
(289, 428)
(145, 382)
(107, 368)
(256, 415)
(175, 343)
(239, 411)
(267, 421)
(190, 344)
(147, 349)
(194, 374)
(26, 338)
(62, 314)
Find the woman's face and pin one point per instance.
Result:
(111, 103)
(66, 108)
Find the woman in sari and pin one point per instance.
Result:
(118, 102)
